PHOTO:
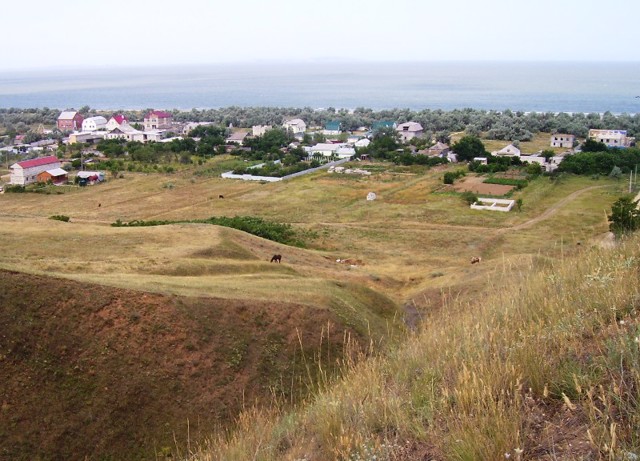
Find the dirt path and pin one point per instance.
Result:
(552, 209)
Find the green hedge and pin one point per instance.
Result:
(278, 232)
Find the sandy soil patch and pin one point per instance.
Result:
(475, 184)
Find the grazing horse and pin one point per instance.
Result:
(476, 259)
(276, 258)
(220, 196)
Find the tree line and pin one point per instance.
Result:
(502, 125)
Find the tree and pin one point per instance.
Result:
(624, 217)
(593, 146)
(547, 154)
(469, 147)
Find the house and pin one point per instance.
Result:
(94, 123)
(70, 120)
(548, 166)
(259, 130)
(331, 150)
(611, 138)
(125, 131)
(439, 149)
(364, 142)
(237, 137)
(296, 125)
(57, 176)
(508, 151)
(26, 172)
(86, 137)
(157, 120)
(562, 140)
(116, 121)
(409, 130)
(332, 128)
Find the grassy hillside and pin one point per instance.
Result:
(83, 287)
(544, 367)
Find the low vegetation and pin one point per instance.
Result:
(546, 370)
(277, 232)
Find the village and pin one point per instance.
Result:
(46, 161)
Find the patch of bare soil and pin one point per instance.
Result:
(474, 184)
(91, 372)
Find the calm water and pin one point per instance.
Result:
(568, 87)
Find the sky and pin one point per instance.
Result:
(74, 33)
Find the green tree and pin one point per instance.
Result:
(593, 146)
(469, 147)
(624, 217)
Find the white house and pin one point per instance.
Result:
(259, 130)
(116, 121)
(26, 172)
(508, 151)
(331, 150)
(364, 142)
(611, 138)
(296, 125)
(562, 140)
(409, 130)
(94, 123)
(125, 131)
(236, 138)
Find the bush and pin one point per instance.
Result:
(469, 197)
(15, 188)
(451, 176)
(278, 232)
(60, 217)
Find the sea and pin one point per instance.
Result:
(519, 86)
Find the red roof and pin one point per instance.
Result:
(159, 114)
(39, 161)
(120, 118)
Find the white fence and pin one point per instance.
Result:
(493, 204)
(248, 177)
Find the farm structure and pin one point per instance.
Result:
(493, 204)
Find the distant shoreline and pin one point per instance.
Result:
(571, 87)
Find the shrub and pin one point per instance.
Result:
(60, 217)
(469, 197)
(15, 188)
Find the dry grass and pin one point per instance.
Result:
(556, 352)
(459, 390)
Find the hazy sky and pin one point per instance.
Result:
(75, 33)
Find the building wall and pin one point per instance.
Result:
(26, 176)
(562, 140)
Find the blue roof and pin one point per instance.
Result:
(333, 125)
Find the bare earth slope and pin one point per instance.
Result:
(92, 372)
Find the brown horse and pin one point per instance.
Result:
(276, 258)
(476, 259)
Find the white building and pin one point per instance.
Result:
(116, 121)
(409, 130)
(26, 172)
(126, 131)
(94, 123)
(562, 140)
(611, 138)
(296, 125)
(259, 130)
(508, 151)
(331, 150)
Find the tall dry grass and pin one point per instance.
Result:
(552, 351)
